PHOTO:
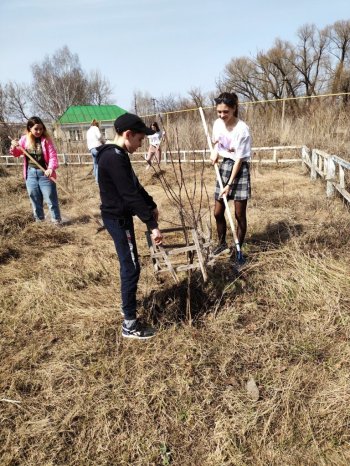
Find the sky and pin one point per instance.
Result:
(159, 47)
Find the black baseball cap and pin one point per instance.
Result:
(132, 122)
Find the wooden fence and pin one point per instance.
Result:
(334, 170)
(331, 168)
(276, 154)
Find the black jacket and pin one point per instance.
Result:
(121, 192)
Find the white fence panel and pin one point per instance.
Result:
(331, 168)
(260, 155)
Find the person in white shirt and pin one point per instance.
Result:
(94, 140)
(154, 145)
(232, 141)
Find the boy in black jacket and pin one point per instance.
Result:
(122, 196)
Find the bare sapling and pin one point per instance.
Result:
(189, 198)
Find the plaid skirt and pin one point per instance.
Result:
(241, 189)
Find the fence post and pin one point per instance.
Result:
(305, 157)
(321, 163)
(341, 177)
(274, 157)
(313, 172)
(330, 177)
(325, 166)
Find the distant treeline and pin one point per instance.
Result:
(319, 62)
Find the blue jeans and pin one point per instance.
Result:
(40, 188)
(94, 155)
(123, 235)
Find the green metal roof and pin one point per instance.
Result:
(86, 113)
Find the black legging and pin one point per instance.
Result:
(241, 219)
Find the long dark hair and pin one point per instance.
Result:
(34, 120)
(156, 126)
(230, 99)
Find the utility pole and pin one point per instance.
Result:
(154, 105)
(283, 101)
(135, 103)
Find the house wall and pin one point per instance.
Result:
(72, 137)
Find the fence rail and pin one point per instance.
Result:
(260, 155)
(331, 168)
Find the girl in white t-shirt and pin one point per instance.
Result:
(232, 141)
(94, 140)
(154, 145)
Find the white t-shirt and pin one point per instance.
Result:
(155, 138)
(234, 144)
(93, 137)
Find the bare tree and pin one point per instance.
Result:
(99, 89)
(143, 103)
(284, 70)
(18, 101)
(310, 58)
(58, 82)
(269, 77)
(241, 76)
(198, 98)
(282, 58)
(3, 104)
(339, 36)
(171, 103)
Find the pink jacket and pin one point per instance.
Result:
(49, 153)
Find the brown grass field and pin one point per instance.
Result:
(73, 392)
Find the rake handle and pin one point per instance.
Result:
(24, 152)
(210, 144)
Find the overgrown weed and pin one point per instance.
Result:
(86, 396)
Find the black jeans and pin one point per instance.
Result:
(123, 235)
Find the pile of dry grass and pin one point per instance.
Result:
(15, 222)
(3, 172)
(74, 392)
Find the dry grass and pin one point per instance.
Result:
(322, 123)
(87, 397)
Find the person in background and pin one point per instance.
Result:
(38, 143)
(232, 141)
(94, 140)
(155, 140)
(122, 196)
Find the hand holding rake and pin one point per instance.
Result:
(24, 152)
(14, 142)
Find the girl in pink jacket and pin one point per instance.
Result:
(40, 187)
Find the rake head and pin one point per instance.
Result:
(240, 259)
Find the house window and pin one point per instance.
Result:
(75, 135)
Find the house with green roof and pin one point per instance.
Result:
(76, 120)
